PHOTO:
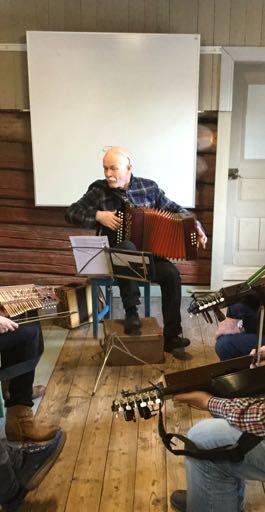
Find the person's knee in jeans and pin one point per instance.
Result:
(246, 313)
(224, 347)
(212, 433)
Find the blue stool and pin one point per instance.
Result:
(108, 282)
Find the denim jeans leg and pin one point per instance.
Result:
(219, 487)
(246, 313)
(229, 346)
(9, 484)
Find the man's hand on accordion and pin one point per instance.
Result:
(202, 238)
(108, 219)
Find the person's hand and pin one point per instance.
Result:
(199, 399)
(7, 325)
(253, 354)
(228, 326)
(202, 238)
(108, 219)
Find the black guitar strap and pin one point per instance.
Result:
(232, 452)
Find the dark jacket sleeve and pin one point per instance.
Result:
(83, 212)
(164, 203)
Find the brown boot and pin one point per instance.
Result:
(21, 426)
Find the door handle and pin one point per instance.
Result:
(233, 174)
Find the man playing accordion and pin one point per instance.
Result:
(97, 210)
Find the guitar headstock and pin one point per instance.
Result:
(203, 302)
(144, 402)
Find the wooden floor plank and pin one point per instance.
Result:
(86, 489)
(52, 494)
(108, 464)
(150, 488)
(119, 477)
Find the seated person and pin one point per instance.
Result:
(237, 334)
(23, 468)
(97, 210)
(20, 345)
(219, 486)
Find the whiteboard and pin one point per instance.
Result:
(89, 91)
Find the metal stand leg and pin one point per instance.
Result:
(110, 344)
(107, 353)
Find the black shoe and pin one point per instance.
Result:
(175, 343)
(37, 460)
(132, 324)
(178, 500)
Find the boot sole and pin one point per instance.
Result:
(39, 475)
(26, 440)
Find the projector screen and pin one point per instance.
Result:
(90, 91)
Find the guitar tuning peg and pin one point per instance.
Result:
(128, 412)
(145, 411)
(115, 406)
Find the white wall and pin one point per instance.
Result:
(90, 90)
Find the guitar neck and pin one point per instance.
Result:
(147, 400)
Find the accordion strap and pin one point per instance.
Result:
(232, 452)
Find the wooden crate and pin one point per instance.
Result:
(148, 346)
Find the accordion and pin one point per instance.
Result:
(165, 234)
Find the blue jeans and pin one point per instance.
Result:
(229, 346)
(10, 459)
(219, 487)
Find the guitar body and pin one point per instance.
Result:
(240, 384)
(203, 378)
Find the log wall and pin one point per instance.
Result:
(34, 241)
(219, 23)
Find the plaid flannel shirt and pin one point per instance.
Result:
(246, 414)
(99, 196)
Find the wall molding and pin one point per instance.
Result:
(13, 47)
(17, 47)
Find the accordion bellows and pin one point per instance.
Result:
(165, 234)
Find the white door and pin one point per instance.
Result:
(245, 216)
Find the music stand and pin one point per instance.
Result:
(93, 256)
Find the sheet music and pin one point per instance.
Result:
(89, 254)
(132, 264)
